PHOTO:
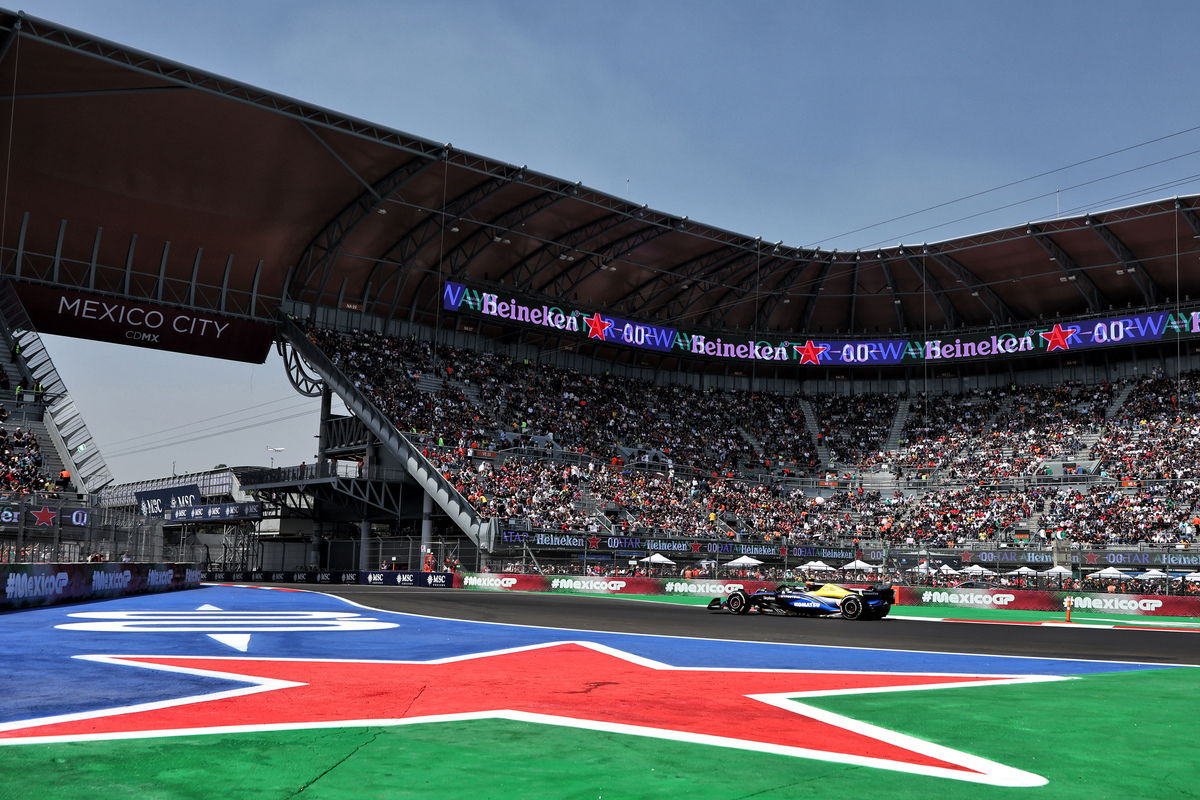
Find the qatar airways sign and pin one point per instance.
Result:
(809, 350)
(87, 316)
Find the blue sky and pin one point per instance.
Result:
(794, 121)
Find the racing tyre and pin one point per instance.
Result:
(738, 602)
(853, 607)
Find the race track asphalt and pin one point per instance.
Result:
(620, 615)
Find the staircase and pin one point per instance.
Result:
(590, 505)
(810, 422)
(429, 383)
(65, 439)
(897, 432)
(1119, 400)
(480, 531)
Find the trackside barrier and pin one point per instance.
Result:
(28, 585)
(1156, 605)
(573, 584)
(427, 580)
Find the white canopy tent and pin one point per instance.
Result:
(1111, 573)
(657, 558)
(977, 569)
(1154, 575)
(816, 566)
(1022, 571)
(861, 566)
(743, 561)
(1056, 570)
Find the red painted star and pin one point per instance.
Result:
(1092, 558)
(811, 353)
(695, 547)
(965, 555)
(593, 541)
(45, 516)
(597, 326)
(572, 684)
(1058, 337)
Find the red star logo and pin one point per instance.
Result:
(572, 684)
(45, 516)
(783, 551)
(1092, 558)
(1057, 338)
(811, 353)
(597, 326)
(966, 555)
(695, 547)
(593, 541)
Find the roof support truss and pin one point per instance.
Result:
(1087, 288)
(1129, 263)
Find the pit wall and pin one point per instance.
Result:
(29, 585)
(1023, 600)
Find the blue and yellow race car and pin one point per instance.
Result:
(811, 600)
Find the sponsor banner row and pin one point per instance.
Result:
(214, 512)
(426, 580)
(595, 543)
(27, 585)
(592, 543)
(601, 585)
(1024, 600)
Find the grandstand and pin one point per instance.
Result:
(541, 373)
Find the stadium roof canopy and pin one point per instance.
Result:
(135, 176)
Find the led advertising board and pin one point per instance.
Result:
(817, 350)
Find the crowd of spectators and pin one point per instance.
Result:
(855, 428)
(680, 460)
(1156, 434)
(1106, 516)
(998, 434)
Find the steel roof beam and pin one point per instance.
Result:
(668, 299)
(1149, 288)
(777, 278)
(931, 286)
(419, 236)
(522, 271)
(854, 290)
(678, 271)
(325, 248)
(901, 323)
(1095, 299)
(818, 287)
(609, 253)
(433, 225)
(459, 257)
(718, 311)
(992, 302)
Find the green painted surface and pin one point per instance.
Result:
(1128, 735)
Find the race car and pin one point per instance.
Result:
(811, 600)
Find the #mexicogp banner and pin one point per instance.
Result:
(1161, 605)
(601, 585)
(27, 585)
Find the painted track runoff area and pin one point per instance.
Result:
(233, 691)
